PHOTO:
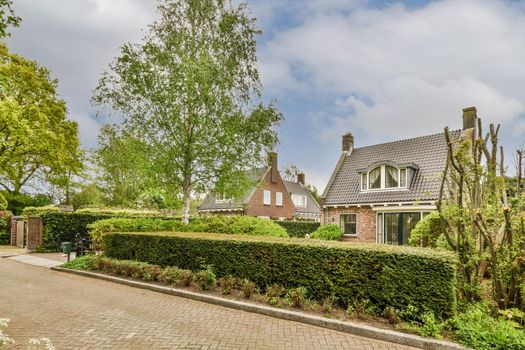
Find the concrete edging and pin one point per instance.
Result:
(346, 327)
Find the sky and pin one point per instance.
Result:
(382, 69)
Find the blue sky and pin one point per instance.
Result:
(381, 69)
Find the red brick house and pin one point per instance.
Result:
(271, 197)
(379, 193)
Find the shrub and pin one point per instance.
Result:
(476, 329)
(427, 232)
(328, 232)
(299, 229)
(186, 278)
(394, 276)
(170, 275)
(217, 224)
(206, 279)
(248, 287)
(5, 217)
(328, 304)
(3, 203)
(227, 283)
(275, 291)
(86, 262)
(296, 297)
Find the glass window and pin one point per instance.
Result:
(375, 178)
(349, 224)
(299, 200)
(364, 184)
(380, 235)
(267, 197)
(391, 177)
(279, 199)
(403, 178)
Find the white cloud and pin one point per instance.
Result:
(77, 40)
(404, 72)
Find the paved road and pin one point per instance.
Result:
(82, 313)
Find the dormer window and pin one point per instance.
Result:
(387, 176)
(222, 198)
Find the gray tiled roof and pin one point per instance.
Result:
(429, 153)
(312, 207)
(209, 203)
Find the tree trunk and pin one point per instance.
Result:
(186, 207)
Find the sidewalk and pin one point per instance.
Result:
(47, 260)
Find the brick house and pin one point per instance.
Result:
(378, 193)
(271, 197)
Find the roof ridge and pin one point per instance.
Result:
(403, 140)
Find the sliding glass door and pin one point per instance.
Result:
(397, 227)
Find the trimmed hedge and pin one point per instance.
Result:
(5, 216)
(386, 275)
(299, 229)
(63, 226)
(218, 224)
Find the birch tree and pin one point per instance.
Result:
(191, 90)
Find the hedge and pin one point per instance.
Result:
(386, 275)
(5, 216)
(218, 224)
(299, 228)
(328, 232)
(63, 226)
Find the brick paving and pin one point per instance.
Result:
(82, 313)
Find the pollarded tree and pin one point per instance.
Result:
(191, 88)
(37, 141)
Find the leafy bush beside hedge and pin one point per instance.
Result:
(386, 275)
(299, 229)
(4, 228)
(217, 224)
(328, 233)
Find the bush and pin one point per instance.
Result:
(427, 232)
(299, 229)
(296, 297)
(393, 276)
(5, 217)
(248, 287)
(476, 329)
(328, 232)
(206, 279)
(216, 224)
(3, 203)
(227, 283)
(86, 262)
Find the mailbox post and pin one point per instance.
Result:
(66, 248)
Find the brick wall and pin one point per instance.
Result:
(366, 222)
(12, 230)
(256, 206)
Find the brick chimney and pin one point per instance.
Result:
(272, 162)
(469, 118)
(348, 142)
(300, 178)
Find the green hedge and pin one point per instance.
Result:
(386, 275)
(328, 233)
(299, 228)
(4, 227)
(63, 226)
(218, 224)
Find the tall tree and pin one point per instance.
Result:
(192, 89)
(124, 165)
(37, 141)
(7, 17)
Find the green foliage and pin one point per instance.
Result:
(7, 18)
(299, 229)
(86, 262)
(328, 232)
(194, 71)
(248, 287)
(476, 329)
(39, 211)
(18, 202)
(206, 278)
(89, 195)
(216, 224)
(296, 297)
(38, 141)
(227, 283)
(428, 232)
(4, 227)
(386, 275)
(3, 203)
(63, 226)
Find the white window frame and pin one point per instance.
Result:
(296, 202)
(342, 227)
(279, 199)
(267, 197)
(366, 176)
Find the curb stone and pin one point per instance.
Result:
(346, 327)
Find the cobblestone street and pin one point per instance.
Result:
(82, 313)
